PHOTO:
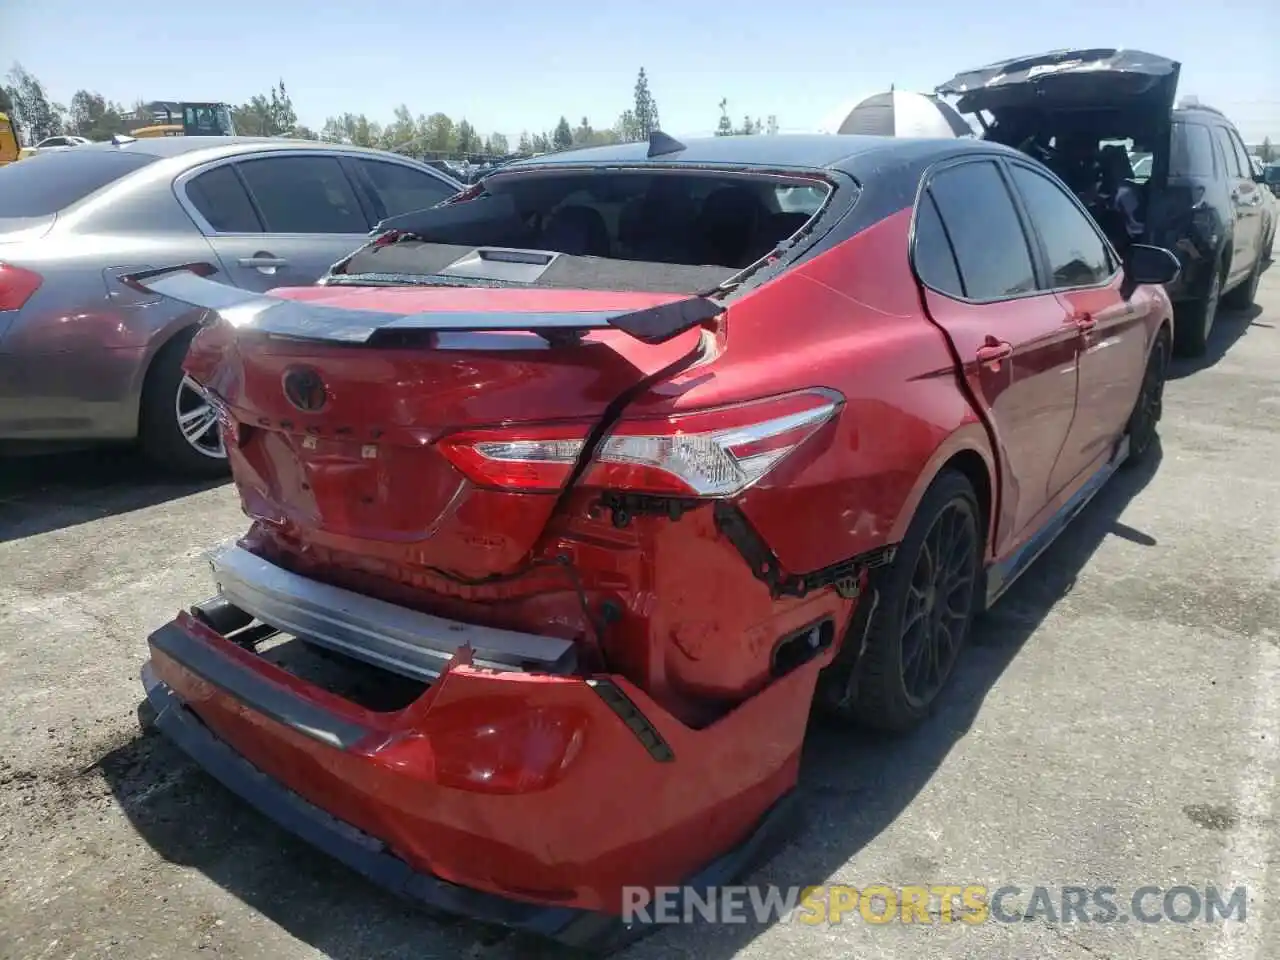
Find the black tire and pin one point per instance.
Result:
(1242, 296)
(1195, 319)
(159, 433)
(878, 691)
(1149, 406)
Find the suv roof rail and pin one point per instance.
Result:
(1201, 106)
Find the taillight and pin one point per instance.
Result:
(710, 453)
(16, 286)
(707, 453)
(536, 458)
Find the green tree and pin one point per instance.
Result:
(438, 134)
(627, 127)
(33, 112)
(562, 138)
(583, 135)
(541, 143)
(468, 139)
(725, 127)
(353, 128)
(1266, 153)
(281, 116)
(526, 144)
(403, 133)
(496, 143)
(771, 125)
(94, 117)
(645, 109)
(266, 115)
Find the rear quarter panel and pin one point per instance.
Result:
(850, 319)
(74, 360)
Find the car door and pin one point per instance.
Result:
(395, 188)
(277, 220)
(1017, 350)
(1245, 201)
(1084, 273)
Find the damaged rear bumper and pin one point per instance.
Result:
(525, 800)
(404, 641)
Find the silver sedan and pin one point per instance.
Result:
(85, 358)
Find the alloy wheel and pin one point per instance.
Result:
(1150, 401)
(198, 420)
(939, 602)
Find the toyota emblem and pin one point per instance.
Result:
(304, 388)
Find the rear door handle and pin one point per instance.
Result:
(993, 351)
(264, 262)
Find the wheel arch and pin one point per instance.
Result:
(166, 335)
(967, 451)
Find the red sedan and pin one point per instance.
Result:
(605, 469)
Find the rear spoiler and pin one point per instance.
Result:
(300, 320)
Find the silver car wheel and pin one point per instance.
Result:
(198, 420)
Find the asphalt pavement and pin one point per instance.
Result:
(1116, 723)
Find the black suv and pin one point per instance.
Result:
(1104, 121)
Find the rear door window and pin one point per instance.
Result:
(986, 234)
(1234, 169)
(1242, 154)
(1192, 154)
(935, 260)
(402, 189)
(304, 195)
(1077, 255)
(221, 199)
(45, 183)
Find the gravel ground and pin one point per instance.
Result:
(1117, 722)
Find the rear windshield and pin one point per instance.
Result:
(618, 229)
(1192, 154)
(49, 182)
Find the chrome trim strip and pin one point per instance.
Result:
(397, 638)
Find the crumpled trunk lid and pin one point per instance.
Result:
(361, 473)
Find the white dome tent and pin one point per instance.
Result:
(899, 113)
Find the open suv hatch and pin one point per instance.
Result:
(1104, 121)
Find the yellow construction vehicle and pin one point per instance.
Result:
(10, 142)
(187, 119)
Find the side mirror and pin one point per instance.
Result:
(1154, 265)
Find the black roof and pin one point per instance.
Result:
(768, 151)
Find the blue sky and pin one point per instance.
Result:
(509, 66)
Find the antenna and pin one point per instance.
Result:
(660, 144)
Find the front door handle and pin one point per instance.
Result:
(264, 263)
(993, 351)
(1085, 322)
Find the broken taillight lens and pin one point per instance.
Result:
(707, 453)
